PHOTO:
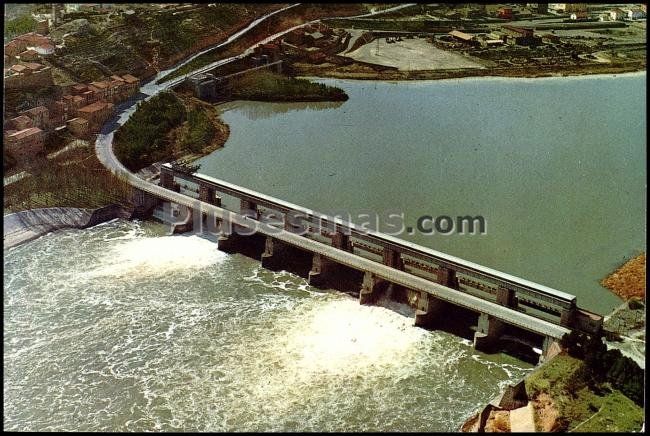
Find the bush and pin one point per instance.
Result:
(269, 86)
(20, 25)
(199, 132)
(605, 365)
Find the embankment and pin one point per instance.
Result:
(30, 224)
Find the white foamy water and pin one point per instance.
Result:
(211, 342)
(155, 255)
(342, 336)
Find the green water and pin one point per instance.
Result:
(555, 166)
(117, 328)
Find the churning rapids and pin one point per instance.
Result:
(121, 328)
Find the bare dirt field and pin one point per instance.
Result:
(410, 55)
(629, 280)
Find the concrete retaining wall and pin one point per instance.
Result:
(30, 224)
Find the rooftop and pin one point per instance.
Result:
(29, 52)
(129, 78)
(21, 118)
(101, 85)
(95, 107)
(25, 133)
(37, 110)
(78, 121)
(461, 35)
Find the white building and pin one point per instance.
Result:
(617, 14)
(635, 14)
(71, 7)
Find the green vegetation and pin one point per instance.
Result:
(143, 139)
(74, 179)
(555, 376)
(268, 86)
(302, 13)
(606, 366)
(199, 131)
(583, 403)
(18, 26)
(149, 39)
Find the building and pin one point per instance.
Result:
(617, 14)
(132, 84)
(549, 38)
(463, 37)
(27, 75)
(521, 36)
(101, 89)
(25, 41)
(488, 41)
(580, 15)
(24, 144)
(42, 27)
(79, 127)
(21, 122)
(77, 89)
(96, 114)
(28, 55)
(45, 49)
(566, 8)
(73, 103)
(271, 50)
(505, 13)
(39, 115)
(635, 14)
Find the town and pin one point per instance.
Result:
(44, 103)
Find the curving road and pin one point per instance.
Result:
(105, 154)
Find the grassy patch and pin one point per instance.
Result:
(198, 132)
(581, 404)
(615, 413)
(19, 25)
(268, 86)
(75, 179)
(554, 376)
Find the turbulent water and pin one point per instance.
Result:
(121, 328)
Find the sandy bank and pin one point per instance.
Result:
(30, 224)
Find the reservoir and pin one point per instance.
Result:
(555, 166)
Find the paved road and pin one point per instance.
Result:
(104, 150)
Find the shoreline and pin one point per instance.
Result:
(477, 73)
(637, 73)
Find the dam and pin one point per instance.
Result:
(428, 280)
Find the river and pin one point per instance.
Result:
(120, 328)
(555, 166)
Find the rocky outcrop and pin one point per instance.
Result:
(26, 225)
(496, 416)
